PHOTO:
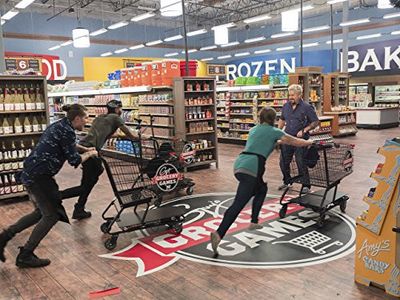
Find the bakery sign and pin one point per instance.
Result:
(373, 59)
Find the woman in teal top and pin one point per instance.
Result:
(249, 169)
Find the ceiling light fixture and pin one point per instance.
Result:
(208, 48)
(221, 33)
(318, 28)
(137, 47)
(3, 22)
(171, 54)
(384, 4)
(98, 32)
(143, 17)
(290, 20)
(121, 50)
(173, 38)
(10, 14)
(67, 43)
(171, 8)
(310, 45)
(208, 59)
(80, 38)
(224, 56)
(257, 19)
(279, 35)
(354, 22)
(369, 36)
(153, 43)
(24, 4)
(335, 1)
(230, 44)
(335, 41)
(242, 54)
(262, 51)
(395, 32)
(54, 48)
(118, 25)
(254, 40)
(190, 51)
(196, 32)
(284, 48)
(106, 54)
(391, 16)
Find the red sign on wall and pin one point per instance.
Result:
(52, 67)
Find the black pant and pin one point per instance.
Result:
(287, 153)
(46, 197)
(249, 186)
(91, 171)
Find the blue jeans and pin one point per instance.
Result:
(287, 153)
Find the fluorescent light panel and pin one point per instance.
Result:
(10, 14)
(137, 47)
(208, 59)
(143, 17)
(318, 28)
(196, 32)
(262, 51)
(306, 7)
(173, 38)
(242, 54)
(254, 40)
(278, 35)
(24, 4)
(98, 32)
(369, 36)
(190, 51)
(118, 25)
(3, 22)
(284, 48)
(390, 16)
(354, 22)
(208, 48)
(171, 54)
(224, 56)
(154, 43)
(228, 25)
(121, 50)
(335, 41)
(66, 43)
(395, 32)
(230, 44)
(257, 19)
(335, 1)
(310, 45)
(106, 54)
(54, 48)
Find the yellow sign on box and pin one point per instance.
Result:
(377, 257)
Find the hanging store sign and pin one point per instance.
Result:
(373, 59)
(23, 64)
(279, 64)
(216, 70)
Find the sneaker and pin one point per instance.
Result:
(255, 226)
(4, 238)
(284, 187)
(215, 240)
(27, 259)
(305, 190)
(80, 214)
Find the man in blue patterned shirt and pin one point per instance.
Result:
(56, 146)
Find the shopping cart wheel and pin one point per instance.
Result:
(105, 227)
(282, 211)
(189, 190)
(321, 221)
(343, 206)
(111, 243)
(177, 228)
(157, 202)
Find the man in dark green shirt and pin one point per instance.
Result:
(103, 128)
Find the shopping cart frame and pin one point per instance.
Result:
(322, 200)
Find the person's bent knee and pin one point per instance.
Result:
(51, 218)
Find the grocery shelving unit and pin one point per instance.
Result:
(387, 95)
(195, 117)
(359, 95)
(310, 78)
(23, 118)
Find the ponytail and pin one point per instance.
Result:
(74, 110)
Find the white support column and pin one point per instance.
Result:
(345, 35)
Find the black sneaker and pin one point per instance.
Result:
(27, 259)
(4, 238)
(284, 186)
(80, 214)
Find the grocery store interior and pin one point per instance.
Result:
(190, 80)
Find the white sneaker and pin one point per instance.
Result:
(305, 190)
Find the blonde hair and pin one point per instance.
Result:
(296, 88)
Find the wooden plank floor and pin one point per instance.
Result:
(77, 269)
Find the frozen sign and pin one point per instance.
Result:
(374, 59)
(277, 64)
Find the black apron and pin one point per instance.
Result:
(261, 163)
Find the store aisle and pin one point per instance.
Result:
(77, 269)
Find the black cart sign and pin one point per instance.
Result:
(216, 70)
(167, 177)
(23, 63)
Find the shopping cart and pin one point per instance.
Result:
(133, 189)
(334, 162)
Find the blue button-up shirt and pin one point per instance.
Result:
(57, 145)
(299, 118)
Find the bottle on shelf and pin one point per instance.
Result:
(7, 161)
(2, 153)
(27, 125)
(7, 187)
(21, 155)
(35, 124)
(8, 104)
(14, 156)
(26, 98)
(1, 185)
(1, 101)
(7, 127)
(18, 98)
(38, 99)
(13, 184)
(43, 123)
(18, 128)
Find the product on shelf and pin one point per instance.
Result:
(198, 127)
(156, 110)
(199, 112)
(160, 98)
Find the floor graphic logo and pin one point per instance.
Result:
(281, 243)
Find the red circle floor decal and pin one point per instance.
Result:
(293, 241)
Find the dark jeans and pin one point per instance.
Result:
(45, 195)
(249, 186)
(287, 153)
(91, 171)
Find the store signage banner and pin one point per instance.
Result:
(279, 63)
(373, 59)
(52, 66)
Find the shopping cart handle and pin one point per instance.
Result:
(396, 229)
(324, 145)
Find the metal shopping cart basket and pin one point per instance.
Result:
(134, 191)
(334, 162)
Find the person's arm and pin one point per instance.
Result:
(83, 149)
(312, 118)
(281, 123)
(129, 133)
(68, 144)
(293, 141)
